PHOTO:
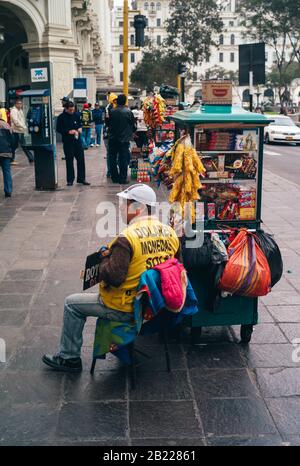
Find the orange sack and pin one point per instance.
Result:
(247, 272)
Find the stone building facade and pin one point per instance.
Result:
(74, 35)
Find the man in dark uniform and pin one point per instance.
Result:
(69, 126)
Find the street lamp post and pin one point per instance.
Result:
(125, 49)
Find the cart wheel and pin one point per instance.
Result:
(196, 335)
(246, 333)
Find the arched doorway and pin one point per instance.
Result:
(17, 29)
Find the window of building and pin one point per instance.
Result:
(231, 23)
(121, 57)
(232, 39)
(221, 57)
(121, 24)
(121, 39)
(152, 7)
(131, 24)
(158, 22)
(221, 39)
(195, 76)
(132, 39)
(146, 6)
(121, 76)
(158, 40)
(232, 57)
(132, 58)
(158, 6)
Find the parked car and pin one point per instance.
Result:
(283, 129)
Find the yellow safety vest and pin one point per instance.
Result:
(152, 243)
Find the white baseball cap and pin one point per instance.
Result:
(139, 193)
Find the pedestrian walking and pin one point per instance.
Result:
(112, 103)
(98, 115)
(141, 132)
(69, 126)
(19, 128)
(3, 112)
(6, 152)
(121, 128)
(86, 121)
(123, 263)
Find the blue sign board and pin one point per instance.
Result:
(80, 83)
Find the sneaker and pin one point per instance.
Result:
(7, 194)
(14, 163)
(92, 145)
(58, 363)
(69, 184)
(98, 145)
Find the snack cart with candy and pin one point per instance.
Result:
(229, 141)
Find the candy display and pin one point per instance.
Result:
(154, 111)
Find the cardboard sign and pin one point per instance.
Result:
(217, 92)
(91, 273)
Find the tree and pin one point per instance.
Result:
(156, 67)
(269, 22)
(218, 72)
(291, 11)
(281, 82)
(191, 27)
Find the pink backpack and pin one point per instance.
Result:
(173, 284)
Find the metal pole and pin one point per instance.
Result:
(125, 49)
(182, 89)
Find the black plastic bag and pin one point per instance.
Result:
(273, 255)
(197, 257)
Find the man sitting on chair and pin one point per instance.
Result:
(145, 243)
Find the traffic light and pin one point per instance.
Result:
(182, 68)
(140, 23)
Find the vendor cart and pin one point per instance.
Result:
(230, 141)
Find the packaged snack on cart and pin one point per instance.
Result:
(211, 211)
(221, 163)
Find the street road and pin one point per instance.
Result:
(283, 160)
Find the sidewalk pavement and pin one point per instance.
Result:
(219, 392)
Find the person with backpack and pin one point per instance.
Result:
(6, 154)
(86, 121)
(98, 115)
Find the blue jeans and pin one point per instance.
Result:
(98, 129)
(77, 308)
(86, 137)
(7, 178)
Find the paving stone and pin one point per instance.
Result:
(79, 421)
(238, 441)
(104, 385)
(281, 298)
(8, 301)
(286, 414)
(42, 338)
(166, 442)
(13, 317)
(174, 419)
(268, 333)
(19, 275)
(279, 382)
(285, 313)
(268, 356)
(161, 386)
(25, 424)
(30, 387)
(292, 440)
(156, 360)
(291, 331)
(18, 287)
(239, 416)
(222, 383)
(214, 356)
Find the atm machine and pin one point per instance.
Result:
(37, 109)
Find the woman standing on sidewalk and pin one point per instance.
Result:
(6, 151)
